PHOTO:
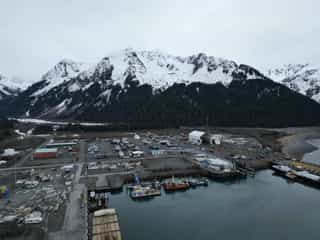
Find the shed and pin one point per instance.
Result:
(195, 137)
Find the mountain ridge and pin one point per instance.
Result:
(150, 88)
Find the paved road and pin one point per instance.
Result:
(4, 170)
(74, 225)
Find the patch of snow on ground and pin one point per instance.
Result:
(17, 131)
(46, 122)
(9, 152)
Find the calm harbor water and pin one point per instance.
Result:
(263, 207)
(313, 157)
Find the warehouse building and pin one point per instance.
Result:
(45, 153)
(195, 137)
(200, 137)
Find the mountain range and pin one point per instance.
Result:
(154, 89)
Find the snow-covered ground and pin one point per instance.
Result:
(46, 122)
(9, 152)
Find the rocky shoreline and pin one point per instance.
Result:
(296, 144)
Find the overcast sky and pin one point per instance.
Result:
(36, 34)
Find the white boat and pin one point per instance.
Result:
(144, 192)
(281, 168)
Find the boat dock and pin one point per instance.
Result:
(304, 173)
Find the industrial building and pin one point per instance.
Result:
(195, 137)
(45, 153)
(199, 137)
(212, 139)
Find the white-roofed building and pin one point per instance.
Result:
(195, 137)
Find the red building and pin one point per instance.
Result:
(45, 153)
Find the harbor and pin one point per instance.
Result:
(267, 202)
(96, 182)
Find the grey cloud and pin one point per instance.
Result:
(35, 34)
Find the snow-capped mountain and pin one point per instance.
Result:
(62, 72)
(150, 88)
(162, 70)
(302, 78)
(8, 87)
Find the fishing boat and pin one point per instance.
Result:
(198, 182)
(173, 185)
(144, 192)
(282, 169)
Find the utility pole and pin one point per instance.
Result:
(207, 124)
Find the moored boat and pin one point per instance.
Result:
(144, 192)
(173, 185)
(197, 182)
(281, 169)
